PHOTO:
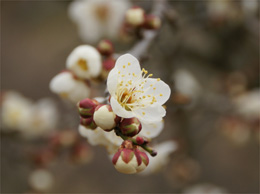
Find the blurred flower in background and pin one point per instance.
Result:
(97, 19)
(30, 119)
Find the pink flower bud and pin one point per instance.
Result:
(87, 107)
(140, 140)
(88, 122)
(130, 126)
(65, 138)
(108, 64)
(105, 47)
(129, 160)
(144, 160)
(44, 157)
(135, 16)
(105, 118)
(152, 22)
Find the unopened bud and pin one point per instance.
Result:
(105, 118)
(130, 126)
(130, 160)
(87, 107)
(152, 22)
(105, 47)
(140, 140)
(144, 160)
(108, 64)
(65, 138)
(88, 122)
(43, 157)
(135, 16)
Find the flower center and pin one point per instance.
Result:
(101, 12)
(125, 98)
(82, 63)
(132, 88)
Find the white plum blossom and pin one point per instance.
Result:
(43, 119)
(163, 149)
(85, 62)
(67, 86)
(134, 93)
(30, 119)
(15, 111)
(98, 19)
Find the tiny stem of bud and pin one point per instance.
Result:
(150, 150)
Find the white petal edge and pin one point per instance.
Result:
(151, 130)
(127, 63)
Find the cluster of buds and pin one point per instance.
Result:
(106, 49)
(136, 19)
(129, 159)
(58, 143)
(93, 115)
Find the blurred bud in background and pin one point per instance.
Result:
(182, 172)
(205, 189)
(41, 180)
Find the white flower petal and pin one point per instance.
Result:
(150, 114)
(127, 65)
(62, 83)
(112, 81)
(162, 158)
(65, 85)
(119, 110)
(151, 130)
(98, 137)
(113, 138)
(159, 89)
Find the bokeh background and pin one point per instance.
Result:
(220, 52)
